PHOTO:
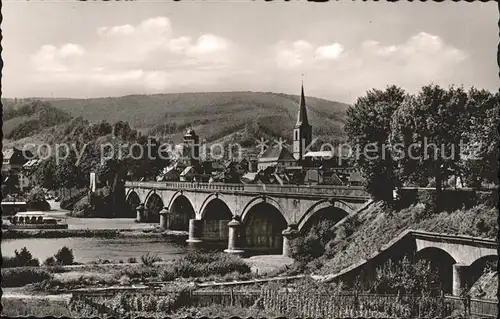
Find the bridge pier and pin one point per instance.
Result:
(234, 240)
(460, 278)
(165, 218)
(140, 213)
(195, 231)
(288, 235)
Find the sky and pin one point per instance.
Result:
(339, 50)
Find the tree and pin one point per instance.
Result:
(45, 173)
(405, 277)
(49, 262)
(36, 199)
(68, 172)
(429, 127)
(24, 258)
(64, 256)
(368, 127)
(480, 136)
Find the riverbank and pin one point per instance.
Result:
(92, 233)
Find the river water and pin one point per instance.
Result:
(92, 249)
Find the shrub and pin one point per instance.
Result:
(201, 264)
(312, 245)
(405, 277)
(488, 198)
(64, 256)
(22, 258)
(137, 273)
(18, 277)
(67, 202)
(36, 199)
(429, 199)
(83, 208)
(50, 262)
(149, 259)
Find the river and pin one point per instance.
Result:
(91, 249)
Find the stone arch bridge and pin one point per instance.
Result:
(254, 218)
(460, 260)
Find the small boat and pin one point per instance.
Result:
(35, 220)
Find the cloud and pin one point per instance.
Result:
(146, 56)
(52, 59)
(330, 52)
(332, 71)
(302, 54)
(149, 57)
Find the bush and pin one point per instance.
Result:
(64, 256)
(49, 262)
(137, 273)
(36, 199)
(21, 259)
(18, 277)
(405, 277)
(83, 208)
(200, 264)
(313, 244)
(149, 259)
(67, 202)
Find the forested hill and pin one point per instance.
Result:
(29, 118)
(212, 115)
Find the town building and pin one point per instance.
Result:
(14, 159)
(190, 148)
(276, 156)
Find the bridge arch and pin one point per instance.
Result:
(441, 263)
(152, 207)
(216, 215)
(324, 209)
(263, 222)
(132, 200)
(214, 206)
(478, 268)
(259, 200)
(181, 210)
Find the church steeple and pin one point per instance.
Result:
(302, 133)
(302, 115)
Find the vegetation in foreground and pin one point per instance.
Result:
(34, 308)
(328, 249)
(306, 298)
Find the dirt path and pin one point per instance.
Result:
(265, 264)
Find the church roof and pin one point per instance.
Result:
(187, 170)
(276, 153)
(302, 115)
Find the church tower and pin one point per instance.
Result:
(302, 132)
(191, 144)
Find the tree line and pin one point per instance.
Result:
(450, 132)
(111, 167)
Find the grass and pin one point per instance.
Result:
(199, 264)
(21, 276)
(224, 312)
(378, 226)
(34, 308)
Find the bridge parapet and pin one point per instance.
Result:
(354, 191)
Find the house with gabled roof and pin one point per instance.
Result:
(276, 156)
